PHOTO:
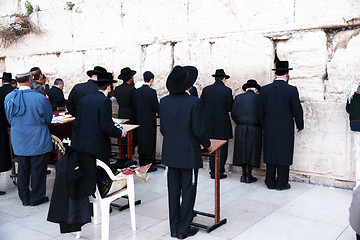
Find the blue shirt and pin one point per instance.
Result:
(29, 114)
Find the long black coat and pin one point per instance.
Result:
(56, 97)
(79, 90)
(279, 107)
(94, 125)
(182, 125)
(5, 155)
(123, 94)
(217, 99)
(146, 106)
(248, 132)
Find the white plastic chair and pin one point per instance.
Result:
(101, 205)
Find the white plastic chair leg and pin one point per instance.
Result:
(131, 200)
(105, 208)
(96, 212)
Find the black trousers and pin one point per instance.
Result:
(223, 158)
(146, 159)
(34, 168)
(276, 176)
(181, 183)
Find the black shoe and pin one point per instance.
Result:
(152, 169)
(173, 235)
(242, 178)
(48, 171)
(191, 232)
(288, 186)
(2, 192)
(25, 204)
(250, 179)
(40, 201)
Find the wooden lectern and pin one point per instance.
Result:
(215, 147)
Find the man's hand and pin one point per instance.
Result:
(123, 133)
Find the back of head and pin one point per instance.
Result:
(22, 76)
(36, 72)
(58, 81)
(148, 76)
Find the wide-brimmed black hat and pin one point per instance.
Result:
(281, 67)
(220, 73)
(105, 78)
(97, 70)
(126, 73)
(7, 76)
(181, 79)
(251, 84)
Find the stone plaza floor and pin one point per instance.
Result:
(252, 211)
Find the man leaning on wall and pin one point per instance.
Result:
(279, 107)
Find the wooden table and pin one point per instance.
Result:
(215, 147)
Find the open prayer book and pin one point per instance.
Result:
(62, 118)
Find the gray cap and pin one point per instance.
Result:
(23, 73)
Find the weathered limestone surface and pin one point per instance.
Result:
(319, 38)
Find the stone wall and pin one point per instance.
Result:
(319, 38)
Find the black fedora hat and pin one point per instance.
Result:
(7, 76)
(181, 79)
(281, 67)
(251, 84)
(97, 70)
(126, 73)
(220, 73)
(105, 78)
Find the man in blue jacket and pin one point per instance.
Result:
(29, 113)
(182, 125)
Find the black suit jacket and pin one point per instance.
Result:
(279, 107)
(182, 125)
(146, 106)
(218, 100)
(80, 90)
(123, 95)
(56, 97)
(94, 125)
(5, 156)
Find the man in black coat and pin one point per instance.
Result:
(146, 106)
(123, 94)
(182, 125)
(82, 89)
(93, 124)
(279, 107)
(248, 132)
(217, 99)
(5, 154)
(56, 95)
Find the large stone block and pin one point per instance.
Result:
(214, 18)
(323, 147)
(325, 13)
(344, 67)
(307, 54)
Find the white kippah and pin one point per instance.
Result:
(23, 73)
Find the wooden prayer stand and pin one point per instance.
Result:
(215, 147)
